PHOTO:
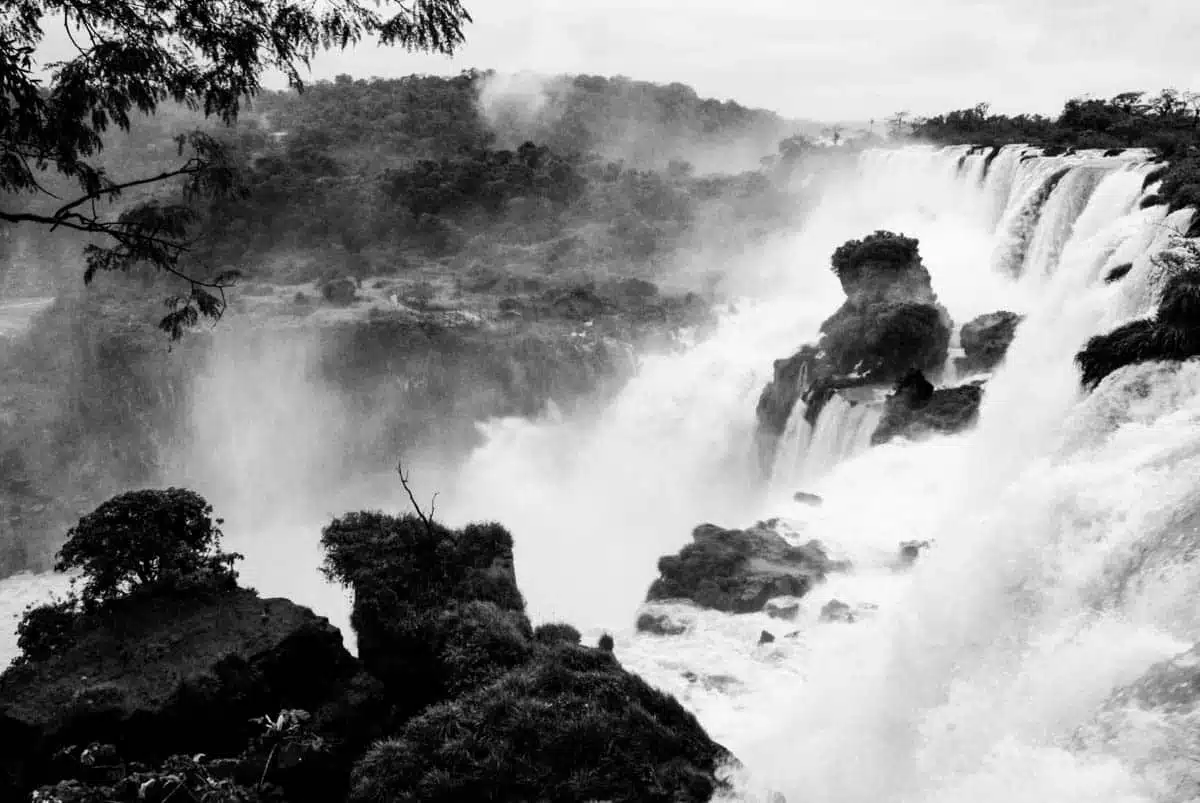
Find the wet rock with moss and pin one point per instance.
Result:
(917, 409)
(1173, 334)
(985, 341)
(740, 571)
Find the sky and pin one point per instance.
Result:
(831, 60)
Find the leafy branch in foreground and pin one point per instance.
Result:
(130, 57)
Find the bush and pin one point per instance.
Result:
(48, 629)
(147, 541)
(570, 726)
(883, 248)
(556, 633)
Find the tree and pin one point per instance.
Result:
(898, 124)
(130, 57)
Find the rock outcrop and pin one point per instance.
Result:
(570, 725)
(890, 324)
(740, 571)
(915, 409)
(985, 341)
(1173, 334)
(166, 675)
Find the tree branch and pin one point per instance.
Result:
(190, 168)
(426, 520)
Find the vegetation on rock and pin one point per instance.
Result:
(436, 611)
(1172, 334)
(890, 324)
(985, 341)
(570, 725)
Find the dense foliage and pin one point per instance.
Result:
(570, 725)
(436, 611)
(129, 59)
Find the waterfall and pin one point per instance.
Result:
(1063, 525)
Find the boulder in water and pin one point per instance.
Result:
(660, 624)
(739, 571)
(985, 341)
(766, 637)
(805, 498)
(915, 409)
(786, 612)
(837, 611)
(1118, 273)
(911, 550)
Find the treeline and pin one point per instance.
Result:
(1167, 123)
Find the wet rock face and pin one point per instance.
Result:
(660, 624)
(739, 571)
(985, 341)
(916, 409)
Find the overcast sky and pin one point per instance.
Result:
(837, 59)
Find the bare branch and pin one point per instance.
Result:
(426, 520)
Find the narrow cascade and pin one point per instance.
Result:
(793, 447)
(843, 431)
(1019, 226)
(1062, 208)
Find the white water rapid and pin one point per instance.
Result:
(1062, 525)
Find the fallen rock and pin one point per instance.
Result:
(785, 612)
(916, 409)
(911, 550)
(837, 611)
(165, 675)
(1118, 273)
(739, 571)
(985, 341)
(765, 637)
(660, 624)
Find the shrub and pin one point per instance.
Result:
(556, 633)
(883, 248)
(48, 629)
(572, 725)
(150, 541)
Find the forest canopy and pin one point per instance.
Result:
(128, 59)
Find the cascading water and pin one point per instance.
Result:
(1061, 525)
